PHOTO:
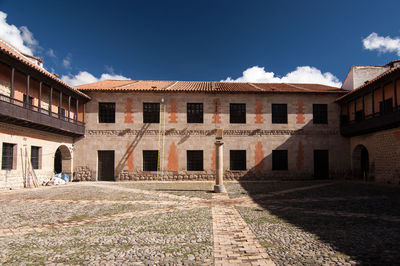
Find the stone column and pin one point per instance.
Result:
(219, 182)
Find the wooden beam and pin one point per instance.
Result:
(12, 84)
(40, 95)
(60, 104)
(363, 106)
(373, 102)
(69, 107)
(395, 94)
(83, 112)
(355, 108)
(27, 90)
(51, 101)
(76, 109)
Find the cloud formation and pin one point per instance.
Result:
(20, 37)
(84, 77)
(302, 74)
(382, 44)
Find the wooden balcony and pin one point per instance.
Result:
(370, 124)
(20, 113)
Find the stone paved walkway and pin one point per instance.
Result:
(234, 243)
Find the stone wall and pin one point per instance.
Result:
(129, 136)
(24, 138)
(384, 154)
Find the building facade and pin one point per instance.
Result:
(40, 116)
(271, 131)
(165, 130)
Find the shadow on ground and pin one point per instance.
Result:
(358, 219)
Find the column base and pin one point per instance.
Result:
(219, 189)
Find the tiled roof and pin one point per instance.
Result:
(10, 50)
(206, 86)
(384, 74)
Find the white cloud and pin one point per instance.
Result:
(67, 62)
(302, 74)
(20, 37)
(84, 77)
(51, 53)
(382, 44)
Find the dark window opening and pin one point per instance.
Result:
(344, 119)
(194, 160)
(320, 113)
(151, 113)
(7, 156)
(279, 160)
(106, 112)
(237, 113)
(279, 113)
(386, 106)
(359, 116)
(195, 113)
(150, 160)
(61, 112)
(30, 103)
(238, 159)
(35, 157)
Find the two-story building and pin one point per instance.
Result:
(40, 117)
(165, 130)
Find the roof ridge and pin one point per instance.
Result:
(255, 86)
(170, 86)
(298, 87)
(126, 85)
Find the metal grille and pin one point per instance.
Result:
(7, 156)
(320, 113)
(279, 113)
(194, 160)
(106, 112)
(237, 113)
(279, 160)
(150, 160)
(151, 113)
(195, 113)
(238, 159)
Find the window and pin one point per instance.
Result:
(386, 106)
(320, 113)
(7, 162)
(195, 113)
(279, 113)
(106, 112)
(35, 157)
(150, 160)
(61, 112)
(151, 113)
(359, 116)
(237, 113)
(195, 160)
(279, 160)
(238, 159)
(30, 103)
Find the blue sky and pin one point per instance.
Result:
(205, 40)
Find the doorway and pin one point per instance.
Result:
(321, 164)
(361, 163)
(63, 160)
(106, 165)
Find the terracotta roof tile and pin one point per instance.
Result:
(206, 86)
(10, 50)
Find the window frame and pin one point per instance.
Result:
(195, 115)
(234, 161)
(277, 164)
(149, 166)
(277, 116)
(237, 113)
(320, 116)
(8, 160)
(151, 117)
(191, 163)
(106, 116)
(36, 161)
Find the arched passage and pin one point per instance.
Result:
(63, 160)
(360, 162)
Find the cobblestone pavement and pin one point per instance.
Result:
(256, 223)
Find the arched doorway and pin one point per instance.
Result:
(62, 160)
(360, 162)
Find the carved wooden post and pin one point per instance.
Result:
(219, 182)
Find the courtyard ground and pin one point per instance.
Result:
(260, 223)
